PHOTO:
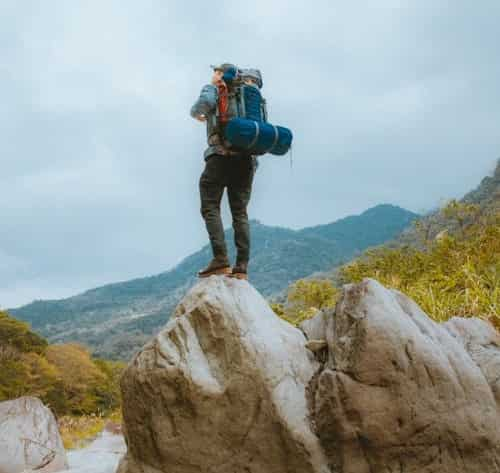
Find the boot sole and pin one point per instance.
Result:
(239, 276)
(224, 271)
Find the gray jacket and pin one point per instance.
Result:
(206, 105)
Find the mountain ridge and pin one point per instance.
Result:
(117, 318)
(486, 196)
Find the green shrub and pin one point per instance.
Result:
(16, 335)
(305, 298)
(457, 273)
(453, 269)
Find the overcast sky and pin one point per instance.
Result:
(390, 102)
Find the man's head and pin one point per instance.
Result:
(225, 71)
(228, 72)
(217, 76)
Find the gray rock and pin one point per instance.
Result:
(482, 342)
(316, 345)
(400, 393)
(315, 327)
(221, 389)
(29, 437)
(228, 387)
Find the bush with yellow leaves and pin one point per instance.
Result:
(453, 270)
(456, 273)
(305, 298)
(64, 376)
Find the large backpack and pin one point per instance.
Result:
(241, 118)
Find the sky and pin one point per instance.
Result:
(389, 102)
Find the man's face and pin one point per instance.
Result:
(217, 76)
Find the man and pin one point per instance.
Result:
(224, 168)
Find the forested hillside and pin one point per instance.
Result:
(457, 273)
(64, 376)
(448, 262)
(485, 198)
(116, 319)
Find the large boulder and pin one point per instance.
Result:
(228, 387)
(29, 437)
(221, 389)
(401, 393)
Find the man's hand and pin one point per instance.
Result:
(201, 118)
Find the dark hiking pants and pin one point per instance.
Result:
(236, 174)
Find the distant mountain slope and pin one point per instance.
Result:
(486, 195)
(116, 319)
(378, 222)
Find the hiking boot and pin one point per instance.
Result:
(218, 265)
(240, 271)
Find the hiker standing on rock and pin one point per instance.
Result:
(225, 168)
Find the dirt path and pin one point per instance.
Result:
(100, 456)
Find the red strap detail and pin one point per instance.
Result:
(223, 101)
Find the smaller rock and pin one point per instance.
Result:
(315, 327)
(441, 235)
(482, 342)
(29, 437)
(316, 345)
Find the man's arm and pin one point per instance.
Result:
(206, 102)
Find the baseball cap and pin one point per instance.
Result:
(223, 67)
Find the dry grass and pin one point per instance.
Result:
(455, 275)
(78, 431)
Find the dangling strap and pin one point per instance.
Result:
(276, 136)
(257, 133)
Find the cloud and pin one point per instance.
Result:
(389, 102)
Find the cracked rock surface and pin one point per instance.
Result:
(402, 393)
(29, 437)
(221, 389)
(229, 387)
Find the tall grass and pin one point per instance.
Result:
(456, 273)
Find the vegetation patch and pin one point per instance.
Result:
(452, 272)
(64, 376)
(305, 298)
(457, 273)
(78, 431)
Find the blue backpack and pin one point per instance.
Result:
(244, 126)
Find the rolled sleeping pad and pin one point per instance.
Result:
(258, 137)
(253, 103)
